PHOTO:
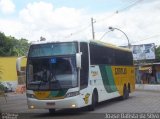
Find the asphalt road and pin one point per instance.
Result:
(138, 102)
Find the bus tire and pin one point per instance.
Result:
(94, 101)
(125, 93)
(129, 88)
(52, 111)
(127, 96)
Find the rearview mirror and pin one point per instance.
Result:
(78, 59)
(18, 64)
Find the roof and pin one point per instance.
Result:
(145, 68)
(87, 41)
(110, 45)
(45, 42)
(156, 63)
(148, 64)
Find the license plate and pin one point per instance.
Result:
(50, 103)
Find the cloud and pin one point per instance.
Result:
(139, 23)
(7, 6)
(43, 19)
(12, 27)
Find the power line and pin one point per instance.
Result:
(104, 35)
(120, 10)
(129, 6)
(145, 39)
(117, 11)
(78, 31)
(108, 17)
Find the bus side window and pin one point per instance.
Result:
(101, 55)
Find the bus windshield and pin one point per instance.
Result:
(52, 49)
(52, 66)
(51, 73)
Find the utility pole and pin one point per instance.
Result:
(92, 28)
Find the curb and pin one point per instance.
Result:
(147, 87)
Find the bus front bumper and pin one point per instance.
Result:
(71, 102)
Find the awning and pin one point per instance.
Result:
(146, 69)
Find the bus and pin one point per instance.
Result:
(77, 74)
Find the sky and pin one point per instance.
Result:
(71, 20)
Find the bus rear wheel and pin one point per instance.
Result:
(52, 111)
(125, 93)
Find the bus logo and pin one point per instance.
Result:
(94, 73)
(86, 98)
(120, 71)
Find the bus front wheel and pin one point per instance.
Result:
(94, 101)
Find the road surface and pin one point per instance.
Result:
(138, 102)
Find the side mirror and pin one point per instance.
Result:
(78, 59)
(18, 64)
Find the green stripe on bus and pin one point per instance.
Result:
(54, 93)
(105, 78)
(61, 93)
(58, 93)
(111, 79)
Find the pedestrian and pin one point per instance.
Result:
(152, 79)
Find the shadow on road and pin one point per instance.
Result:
(77, 113)
(110, 102)
(62, 114)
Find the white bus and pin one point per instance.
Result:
(77, 74)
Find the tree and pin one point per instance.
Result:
(6, 45)
(21, 47)
(158, 53)
(10, 46)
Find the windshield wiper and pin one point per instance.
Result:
(35, 82)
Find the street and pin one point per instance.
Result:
(138, 102)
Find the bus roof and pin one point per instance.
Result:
(109, 45)
(45, 42)
(87, 41)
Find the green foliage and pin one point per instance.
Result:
(158, 53)
(10, 46)
(21, 47)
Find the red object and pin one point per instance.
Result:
(21, 89)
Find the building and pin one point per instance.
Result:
(148, 73)
(8, 73)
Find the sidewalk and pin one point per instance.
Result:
(148, 87)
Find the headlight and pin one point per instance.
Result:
(71, 94)
(30, 95)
